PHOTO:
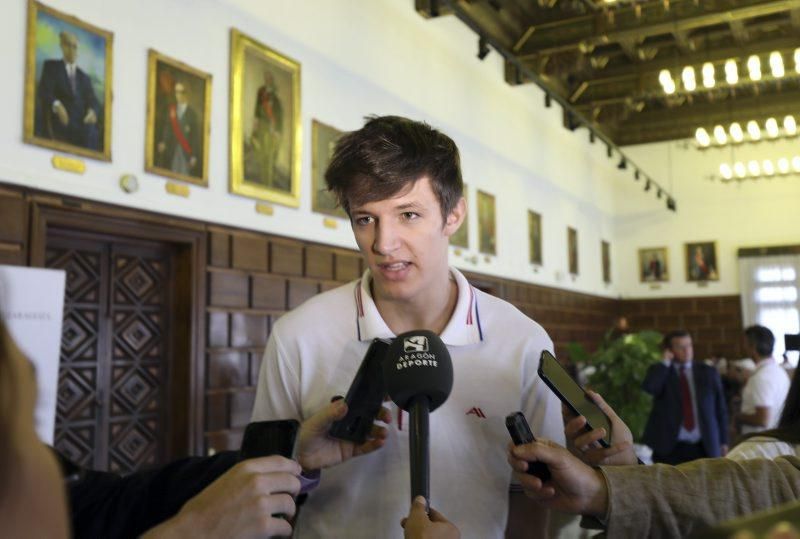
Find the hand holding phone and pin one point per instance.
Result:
(521, 434)
(365, 396)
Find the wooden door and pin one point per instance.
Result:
(113, 391)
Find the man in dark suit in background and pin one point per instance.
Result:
(67, 109)
(689, 419)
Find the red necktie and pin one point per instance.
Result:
(686, 402)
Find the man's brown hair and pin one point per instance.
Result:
(388, 155)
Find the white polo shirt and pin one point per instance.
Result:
(313, 354)
(767, 386)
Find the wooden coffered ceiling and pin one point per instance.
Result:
(602, 59)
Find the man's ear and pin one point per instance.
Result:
(456, 217)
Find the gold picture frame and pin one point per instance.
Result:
(534, 238)
(701, 261)
(67, 108)
(572, 250)
(178, 120)
(460, 238)
(323, 141)
(653, 265)
(487, 225)
(265, 130)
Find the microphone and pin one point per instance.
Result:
(419, 376)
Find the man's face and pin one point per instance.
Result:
(682, 349)
(404, 242)
(180, 93)
(69, 48)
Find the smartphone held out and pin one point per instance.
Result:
(573, 395)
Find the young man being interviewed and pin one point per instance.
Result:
(400, 183)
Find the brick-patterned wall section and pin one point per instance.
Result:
(715, 322)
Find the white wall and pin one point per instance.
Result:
(358, 58)
(738, 214)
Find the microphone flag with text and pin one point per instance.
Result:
(418, 374)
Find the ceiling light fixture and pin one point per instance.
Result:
(753, 130)
(754, 168)
(731, 72)
(702, 137)
(789, 125)
(483, 48)
(772, 127)
(783, 165)
(689, 81)
(797, 60)
(725, 171)
(665, 78)
(736, 132)
(754, 68)
(708, 75)
(768, 167)
(739, 169)
(719, 135)
(776, 64)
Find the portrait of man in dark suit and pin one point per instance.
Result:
(67, 84)
(68, 110)
(689, 418)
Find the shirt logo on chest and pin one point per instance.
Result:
(477, 412)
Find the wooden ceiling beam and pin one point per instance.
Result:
(681, 122)
(651, 68)
(591, 30)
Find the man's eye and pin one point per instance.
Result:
(410, 215)
(363, 220)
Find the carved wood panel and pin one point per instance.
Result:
(113, 376)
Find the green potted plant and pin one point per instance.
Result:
(620, 365)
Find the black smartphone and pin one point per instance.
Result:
(265, 438)
(521, 434)
(365, 396)
(573, 395)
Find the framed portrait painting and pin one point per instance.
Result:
(487, 243)
(323, 142)
(605, 251)
(701, 261)
(264, 122)
(178, 117)
(534, 238)
(653, 265)
(67, 84)
(572, 250)
(461, 236)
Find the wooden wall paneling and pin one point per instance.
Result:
(219, 248)
(228, 369)
(249, 252)
(218, 329)
(319, 263)
(255, 366)
(286, 257)
(269, 292)
(248, 330)
(348, 267)
(228, 289)
(241, 408)
(13, 228)
(301, 290)
(217, 413)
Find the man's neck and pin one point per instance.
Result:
(760, 360)
(431, 311)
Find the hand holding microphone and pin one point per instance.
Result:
(419, 376)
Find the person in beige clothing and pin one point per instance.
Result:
(649, 501)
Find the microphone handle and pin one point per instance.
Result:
(418, 441)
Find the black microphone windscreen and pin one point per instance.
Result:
(418, 363)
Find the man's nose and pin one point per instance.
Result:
(387, 239)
